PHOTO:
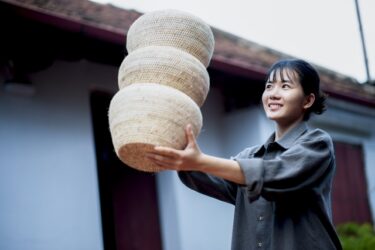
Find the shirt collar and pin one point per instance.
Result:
(288, 139)
(291, 136)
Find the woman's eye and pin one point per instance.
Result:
(286, 86)
(268, 86)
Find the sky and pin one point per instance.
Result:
(323, 32)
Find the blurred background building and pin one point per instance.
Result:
(61, 185)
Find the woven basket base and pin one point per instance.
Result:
(147, 114)
(134, 155)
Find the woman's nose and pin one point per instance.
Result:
(274, 97)
(274, 93)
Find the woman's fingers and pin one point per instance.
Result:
(163, 161)
(165, 165)
(160, 158)
(173, 159)
(165, 151)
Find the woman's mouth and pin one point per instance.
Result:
(274, 106)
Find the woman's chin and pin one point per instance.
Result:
(274, 117)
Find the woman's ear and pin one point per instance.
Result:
(309, 101)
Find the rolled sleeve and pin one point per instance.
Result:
(253, 171)
(298, 168)
(280, 172)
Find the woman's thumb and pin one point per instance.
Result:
(189, 134)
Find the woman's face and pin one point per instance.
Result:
(283, 98)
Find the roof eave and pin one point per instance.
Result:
(227, 64)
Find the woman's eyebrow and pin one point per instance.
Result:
(287, 80)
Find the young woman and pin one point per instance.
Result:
(281, 189)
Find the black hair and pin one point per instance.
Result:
(308, 78)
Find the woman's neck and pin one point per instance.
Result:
(282, 129)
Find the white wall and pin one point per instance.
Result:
(245, 128)
(48, 180)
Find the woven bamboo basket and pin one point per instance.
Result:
(144, 115)
(172, 28)
(167, 66)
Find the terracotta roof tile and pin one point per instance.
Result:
(229, 49)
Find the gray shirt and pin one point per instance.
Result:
(286, 202)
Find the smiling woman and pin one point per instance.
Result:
(267, 183)
(292, 93)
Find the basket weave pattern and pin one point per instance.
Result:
(163, 82)
(172, 28)
(150, 114)
(168, 66)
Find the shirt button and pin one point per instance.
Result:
(260, 218)
(260, 244)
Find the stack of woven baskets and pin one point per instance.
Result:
(163, 83)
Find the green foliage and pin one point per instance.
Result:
(355, 236)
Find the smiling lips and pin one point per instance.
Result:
(274, 106)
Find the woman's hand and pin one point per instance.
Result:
(192, 159)
(180, 160)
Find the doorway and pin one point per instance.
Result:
(128, 198)
(349, 195)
